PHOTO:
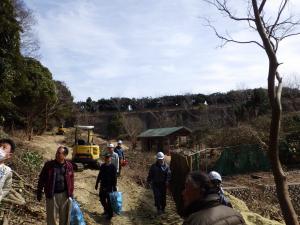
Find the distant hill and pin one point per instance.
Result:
(192, 110)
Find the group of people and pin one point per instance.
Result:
(56, 180)
(203, 196)
(107, 177)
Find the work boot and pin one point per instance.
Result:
(108, 217)
(159, 212)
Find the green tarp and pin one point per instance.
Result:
(242, 159)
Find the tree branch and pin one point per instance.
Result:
(261, 7)
(281, 8)
(223, 8)
(227, 40)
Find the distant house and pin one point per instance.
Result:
(163, 139)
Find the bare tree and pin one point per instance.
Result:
(292, 81)
(30, 44)
(163, 118)
(271, 32)
(132, 126)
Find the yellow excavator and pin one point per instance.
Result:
(61, 130)
(85, 152)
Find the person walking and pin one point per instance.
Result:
(159, 177)
(216, 180)
(57, 181)
(114, 156)
(202, 205)
(120, 151)
(107, 178)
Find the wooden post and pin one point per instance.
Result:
(169, 150)
(205, 160)
(191, 162)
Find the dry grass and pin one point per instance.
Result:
(139, 165)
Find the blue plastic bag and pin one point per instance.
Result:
(116, 201)
(76, 214)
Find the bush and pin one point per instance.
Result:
(32, 160)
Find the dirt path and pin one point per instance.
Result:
(46, 145)
(138, 206)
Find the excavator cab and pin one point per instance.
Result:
(85, 151)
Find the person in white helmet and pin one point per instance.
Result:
(202, 204)
(114, 156)
(159, 177)
(216, 180)
(119, 150)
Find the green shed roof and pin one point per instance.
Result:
(162, 132)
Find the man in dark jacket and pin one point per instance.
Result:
(203, 207)
(159, 177)
(108, 183)
(119, 150)
(57, 181)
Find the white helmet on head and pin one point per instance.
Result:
(120, 141)
(160, 155)
(213, 175)
(111, 145)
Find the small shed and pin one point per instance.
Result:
(164, 139)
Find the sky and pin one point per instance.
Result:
(150, 48)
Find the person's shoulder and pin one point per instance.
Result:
(101, 166)
(196, 218)
(228, 210)
(112, 166)
(153, 165)
(222, 212)
(69, 164)
(49, 163)
(6, 169)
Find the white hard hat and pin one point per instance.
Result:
(160, 155)
(213, 175)
(120, 142)
(111, 145)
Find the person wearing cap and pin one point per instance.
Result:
(216, 180)
(159, 177)
(119, 150)
(202, 204)
(114, 156)
(107, 178)
(57, 181)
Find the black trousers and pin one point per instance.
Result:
(120, 168)
(160, 192)
(105, 200)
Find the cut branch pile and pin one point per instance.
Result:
(20, 206)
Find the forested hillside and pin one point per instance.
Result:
(30, 98)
